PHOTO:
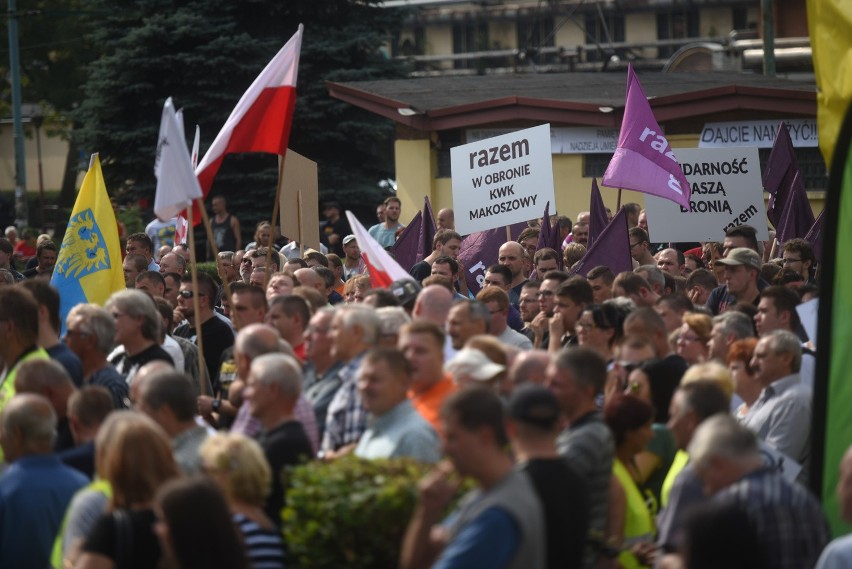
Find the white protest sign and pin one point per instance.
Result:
(502, 180)
(803, 133)
(808, 314)
(727, 191)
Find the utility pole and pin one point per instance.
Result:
(768, 38)
(21, 213)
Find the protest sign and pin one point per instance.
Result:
(502, 180)
(726, 192)
(299, 200)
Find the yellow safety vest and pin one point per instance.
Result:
(7, 384)
(97, 485)
(679, 461)
(638, 524)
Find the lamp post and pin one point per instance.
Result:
(21, 213)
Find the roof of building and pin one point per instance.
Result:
(592, 99)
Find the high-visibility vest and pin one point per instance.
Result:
(96, 485)
(638, 524)
(7, 383)
(679, 461)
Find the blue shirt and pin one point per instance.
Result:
(34, 494)
(490, 540)
(386, 237)
(400, 432)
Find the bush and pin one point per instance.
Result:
(350, 512)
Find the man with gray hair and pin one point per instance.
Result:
(654, 276)
(354, 330)
(137, 330)
(467, 319)
(781, 416)
(37, 487)
(728, 327)
(790, 524)
(90, 333)
(49, 379)
(169, 399)
(273, 387)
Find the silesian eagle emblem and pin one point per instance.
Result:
(83, 248)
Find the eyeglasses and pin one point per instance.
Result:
(188, 294)
(788, 261)
(632, 245)
(527, 300)
(585, 325)
(687, 339)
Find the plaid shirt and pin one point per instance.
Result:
(792, 528)
(346, 420)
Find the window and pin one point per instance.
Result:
(467, 38)
(676, 25)
(535, 34)
(594, 165)
(601, 30)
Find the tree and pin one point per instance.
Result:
(205, 54)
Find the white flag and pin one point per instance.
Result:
(177, 185)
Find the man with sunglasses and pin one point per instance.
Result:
(216, 334)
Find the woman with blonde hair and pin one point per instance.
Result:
(692, 337)
(134, 455)
(237, 464)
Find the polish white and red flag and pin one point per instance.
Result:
(383, 268)
(262, 119)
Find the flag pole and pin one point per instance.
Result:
(618, 204)
(299, 218)
(508, 233)
(202, 378)
(275, 208)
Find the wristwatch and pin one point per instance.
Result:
(216, 404)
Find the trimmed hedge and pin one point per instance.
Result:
(349, 512)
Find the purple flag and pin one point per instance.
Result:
(407, 244)
(612, 249)
(480, 250)
(781, 168)
(643, 160)
(548, 237)
(427, 231)
(814, 236)
(796, 217)
(598, 220)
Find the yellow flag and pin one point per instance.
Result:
(88, 267)
(830, 23)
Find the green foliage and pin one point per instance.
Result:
(349, 512)
(205, 54)
(210, 269)
(131, 217)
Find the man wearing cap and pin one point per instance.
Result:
(534, 418)
(353, 263)
(335, 228)
(742, 272)
(471, 366)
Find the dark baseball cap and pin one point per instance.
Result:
(534, 405)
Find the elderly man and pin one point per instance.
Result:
(137, 332)
(169, 399)
(446, 219)
(172, 263)
(90, 333)
(727, 329)
(354, 330)
(789, 521)
(576, 377)
(274, 385)
(501, 523)
(396, 428)
(37, 487)
(781, 416)
(50, 380)
(467, 318)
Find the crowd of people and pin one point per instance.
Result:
(656, 417)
